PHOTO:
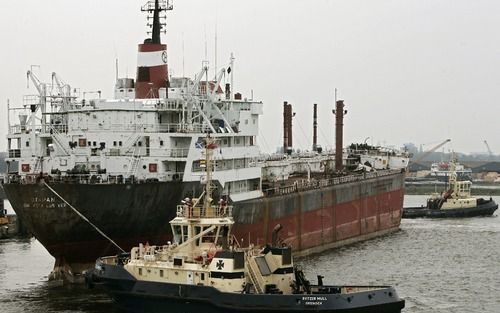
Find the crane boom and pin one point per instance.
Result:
(426, 153)
(36, 82)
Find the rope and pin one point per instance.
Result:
(84, 218)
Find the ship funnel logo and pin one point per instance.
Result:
(164, 57)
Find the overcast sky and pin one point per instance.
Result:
(409, 71)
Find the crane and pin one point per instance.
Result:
(42, 100)
(489, 150)
(426, 153)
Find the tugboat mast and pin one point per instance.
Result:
(210, 145)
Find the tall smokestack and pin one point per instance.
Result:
(287, 128)
(339, 130)
(315, 127)
(290, 115)
(152, 68)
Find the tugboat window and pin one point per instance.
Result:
(177, 233)
(209, 237)
(184, 233)
(202, 276)
(161, 273)
(140, 271)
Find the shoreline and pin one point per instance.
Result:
(428, 189)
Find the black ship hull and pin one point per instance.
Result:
(128, 213)
(154, 297)
(484, 208)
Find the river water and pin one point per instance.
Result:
(443, 266)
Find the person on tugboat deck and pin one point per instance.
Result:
(187, 206)
(222, 207)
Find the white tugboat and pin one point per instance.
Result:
(457, 201)
(204, 268)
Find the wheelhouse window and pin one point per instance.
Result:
(177, 232)
(209, 237)
(184, 233)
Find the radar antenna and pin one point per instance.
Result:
(157, 12)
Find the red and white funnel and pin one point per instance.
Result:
(152, 66)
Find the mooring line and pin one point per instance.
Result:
(84, 218)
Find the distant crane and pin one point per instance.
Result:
(426, 153)
(489, 150)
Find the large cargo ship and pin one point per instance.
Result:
(123, 163)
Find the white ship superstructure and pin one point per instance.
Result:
(155, 139)
(442, 171)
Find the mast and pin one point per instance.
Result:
(155, 36)
(210, 145)
(152, 69)
(231, 66)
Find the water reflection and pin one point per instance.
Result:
(44, 298)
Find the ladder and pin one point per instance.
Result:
(254, 274)
(134, 166)
(57, 140)
(38, 166)
(136, 155)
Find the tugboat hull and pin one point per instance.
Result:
(146, 296)
(484, 208)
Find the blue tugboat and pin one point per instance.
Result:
(457, 201)
(205, 269)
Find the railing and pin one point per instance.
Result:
(171, 105)
(219, 211)
(144, 128)
(91, 178)
(153, 152)
(177, 153)
(45, 129)
(314, 184)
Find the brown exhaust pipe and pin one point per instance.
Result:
(339, 132)
(287, 128)
(315, 127)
